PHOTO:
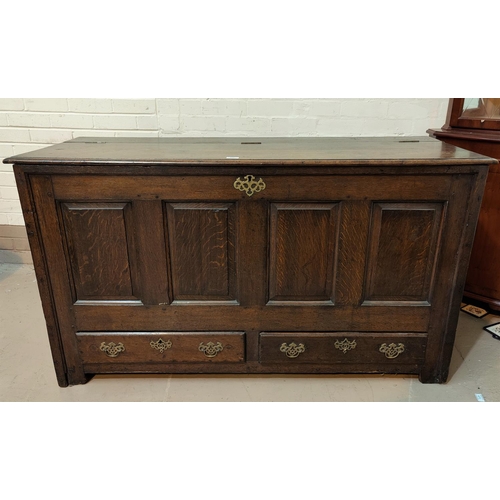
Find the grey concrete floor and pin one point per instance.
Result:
(27, 374)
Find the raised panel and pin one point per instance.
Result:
(98, 250)
(402, 252)
(202, 243)
(483, 277)
(303, 245)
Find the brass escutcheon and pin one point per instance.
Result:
(210, 350)
(392, 350)
(249, 185)
(112, 350)
(345, 345)
(292, 350)
(161, 345)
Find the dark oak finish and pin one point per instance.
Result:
(402, 252)
(153, 275)
(256, 317)
(98, 251)
(321, 348)
(280, 151)
(358, 239)
(168, 347)
(298, 187)
(303, 240)
(42, 276)
(202, 250)
(59, 274)
(482, 137)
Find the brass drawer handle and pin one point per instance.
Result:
(392, 350)
(345, 345)
(292, 350)
(161, 345)
(112, 350)
(210, 350)
(249, 185)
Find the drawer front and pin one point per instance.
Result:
(351, 348)
(161, 347)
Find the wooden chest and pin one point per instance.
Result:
(304, 255)
(483, 277)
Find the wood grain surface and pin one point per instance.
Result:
(366, 239)
(202, 250)
(303, 241)
(402, 251)
(279, 150)
(483, 277)
(98, 250)
(321, 348)
(182, 347)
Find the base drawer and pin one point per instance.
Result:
(338, 347)
(161, 347)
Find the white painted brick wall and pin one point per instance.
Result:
(8, 193)
(28, 124)
(270, 107)
(170, 106)
(72, 121)
(11, 104)
(114, 122)
(322, 107)
(12, 135)
(134, 106)
(7, 179)
(6, 150)
(29, 120)
(50, 105)
(51, 135)
(90, 105)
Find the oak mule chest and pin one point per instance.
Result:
(237, 255)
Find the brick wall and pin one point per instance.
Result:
(28, 124)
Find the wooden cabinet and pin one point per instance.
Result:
(474, 124)
(276, 256)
